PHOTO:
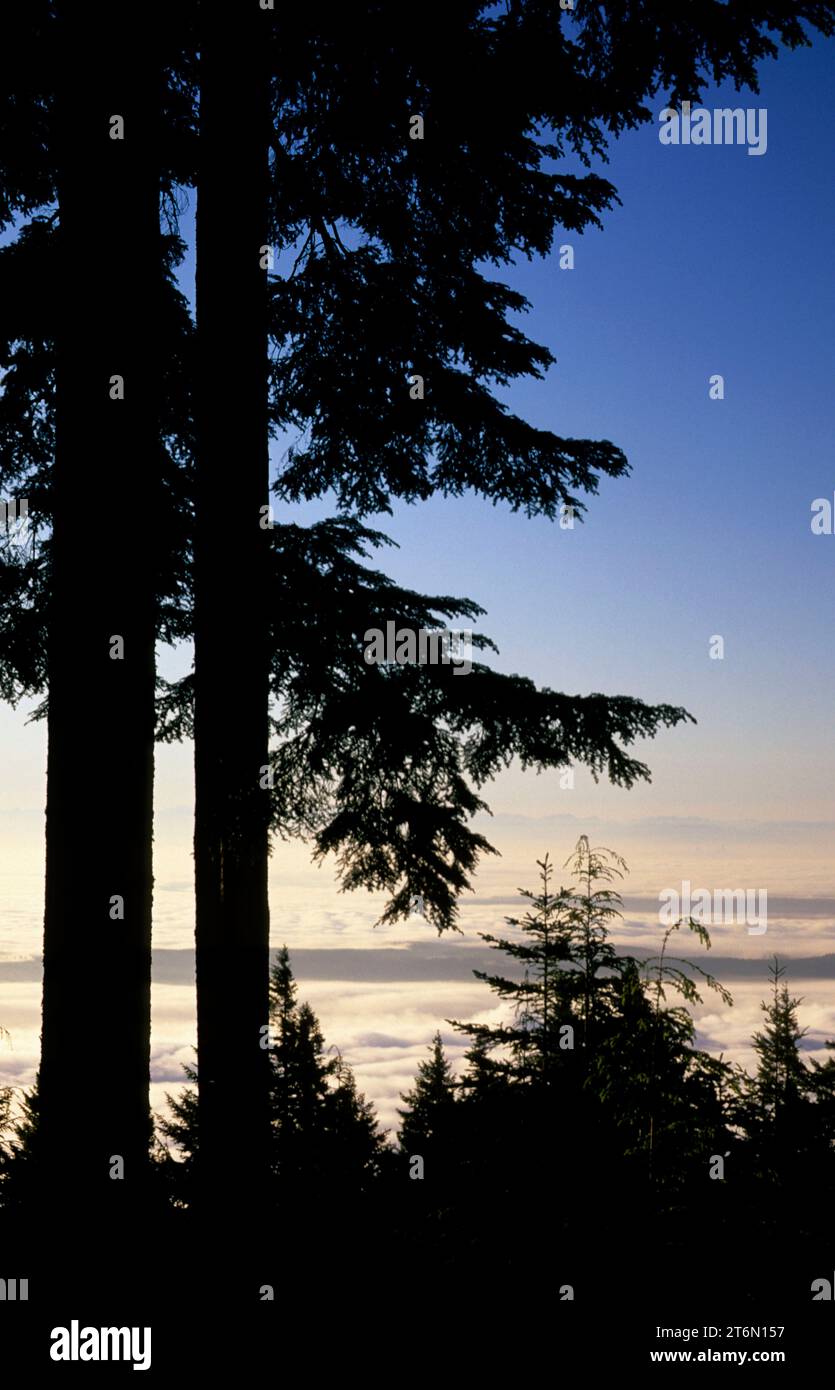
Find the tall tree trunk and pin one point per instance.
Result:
(231, 639)
(94, 1075)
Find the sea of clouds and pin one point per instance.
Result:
(381, 992)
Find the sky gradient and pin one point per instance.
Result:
(717, 262)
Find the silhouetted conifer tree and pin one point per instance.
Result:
(324, 1137)
(428, 1118)
(570, 970)
(592, 1080)
(323, 1129)
(782, 1079)
(782, 1113)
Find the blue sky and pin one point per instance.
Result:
(717, 262)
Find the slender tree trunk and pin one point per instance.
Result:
(231, 638)
(94, 1075)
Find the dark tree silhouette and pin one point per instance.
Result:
(399, 167)
(593, 1079)
(569, 970)
(231, 625)
(782, 1076)
(115, 503)
(427, 1126)
(324, 1131)
(389, 343)
(324, 1139)
(782, 1119)
(97, 926)
(28, 71)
